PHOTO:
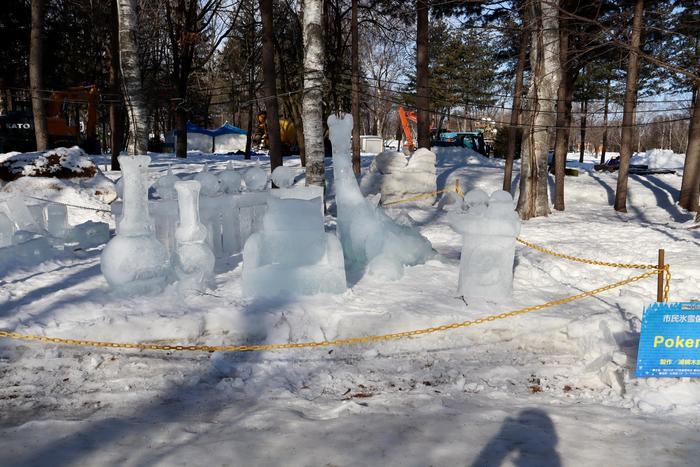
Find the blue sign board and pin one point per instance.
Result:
(669, 345)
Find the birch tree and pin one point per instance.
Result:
(542, 94)
(131, 76)
(312, 105)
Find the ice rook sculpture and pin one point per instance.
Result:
(194, 260)
(292, 254)
(489, 227)
(134, 261)
(369, 237)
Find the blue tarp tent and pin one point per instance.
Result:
(227, 138)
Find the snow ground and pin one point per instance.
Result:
(554, 387)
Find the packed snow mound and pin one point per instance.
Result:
(659, 159)
(60, 163)
(455, 155)
(84, 203)
(397, 177)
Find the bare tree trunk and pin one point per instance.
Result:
(691, 168)
(422, 74)
(251, 80)
(312, 105)
(564, 94)
(605, 123)
(115, 117)
(36, 75)
(544, 59)
(628, 111)
(355, 91)
(584, 119)
(270, 84)
(517, 99)
(131, 75)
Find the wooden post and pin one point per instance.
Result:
(660, 283)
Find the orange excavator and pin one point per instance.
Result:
(407, 117)
(63, 121)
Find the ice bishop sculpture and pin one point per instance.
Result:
(194, 260)
(489, 226)
(134, 261)
(369, 237)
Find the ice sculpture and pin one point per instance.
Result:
(193, 260)
(88, 234)
(165, 185)
(369, 237)
(7, 230)
(208, 181)
(30, 248)
(292, 254)
(230, 180)
(57, 220)
(283, 176)
(134, 261)
(398, 178)
(13, 206)
(255, 178)
(489, 227)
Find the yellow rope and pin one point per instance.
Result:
(326, 343)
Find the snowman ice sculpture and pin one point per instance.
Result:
(489, 226)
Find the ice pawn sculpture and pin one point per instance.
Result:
(194, 260)
(230, 180)
(208, 181)
(135, 262)
(165, 185)
(489, 231)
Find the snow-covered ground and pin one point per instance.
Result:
(554, 387)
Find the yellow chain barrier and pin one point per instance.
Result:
(594, 262)
(327, 343)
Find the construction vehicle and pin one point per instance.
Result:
(469, 139)
(63, 121)
(288, 134)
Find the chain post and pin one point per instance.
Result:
(660, 279)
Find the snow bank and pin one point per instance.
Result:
(659, 159)
(84, 203)
(60, 162)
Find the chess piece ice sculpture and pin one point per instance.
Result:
(134, 261)
(194, 260)
(7, 230)
(489, 227)
(208, 181)
(292, 254)
(165, 185)
(369, 237)
(230, 180)
(255, 178)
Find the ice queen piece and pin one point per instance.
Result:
(368, 235)
(194, 260)
(489, 227)
(134, 261)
